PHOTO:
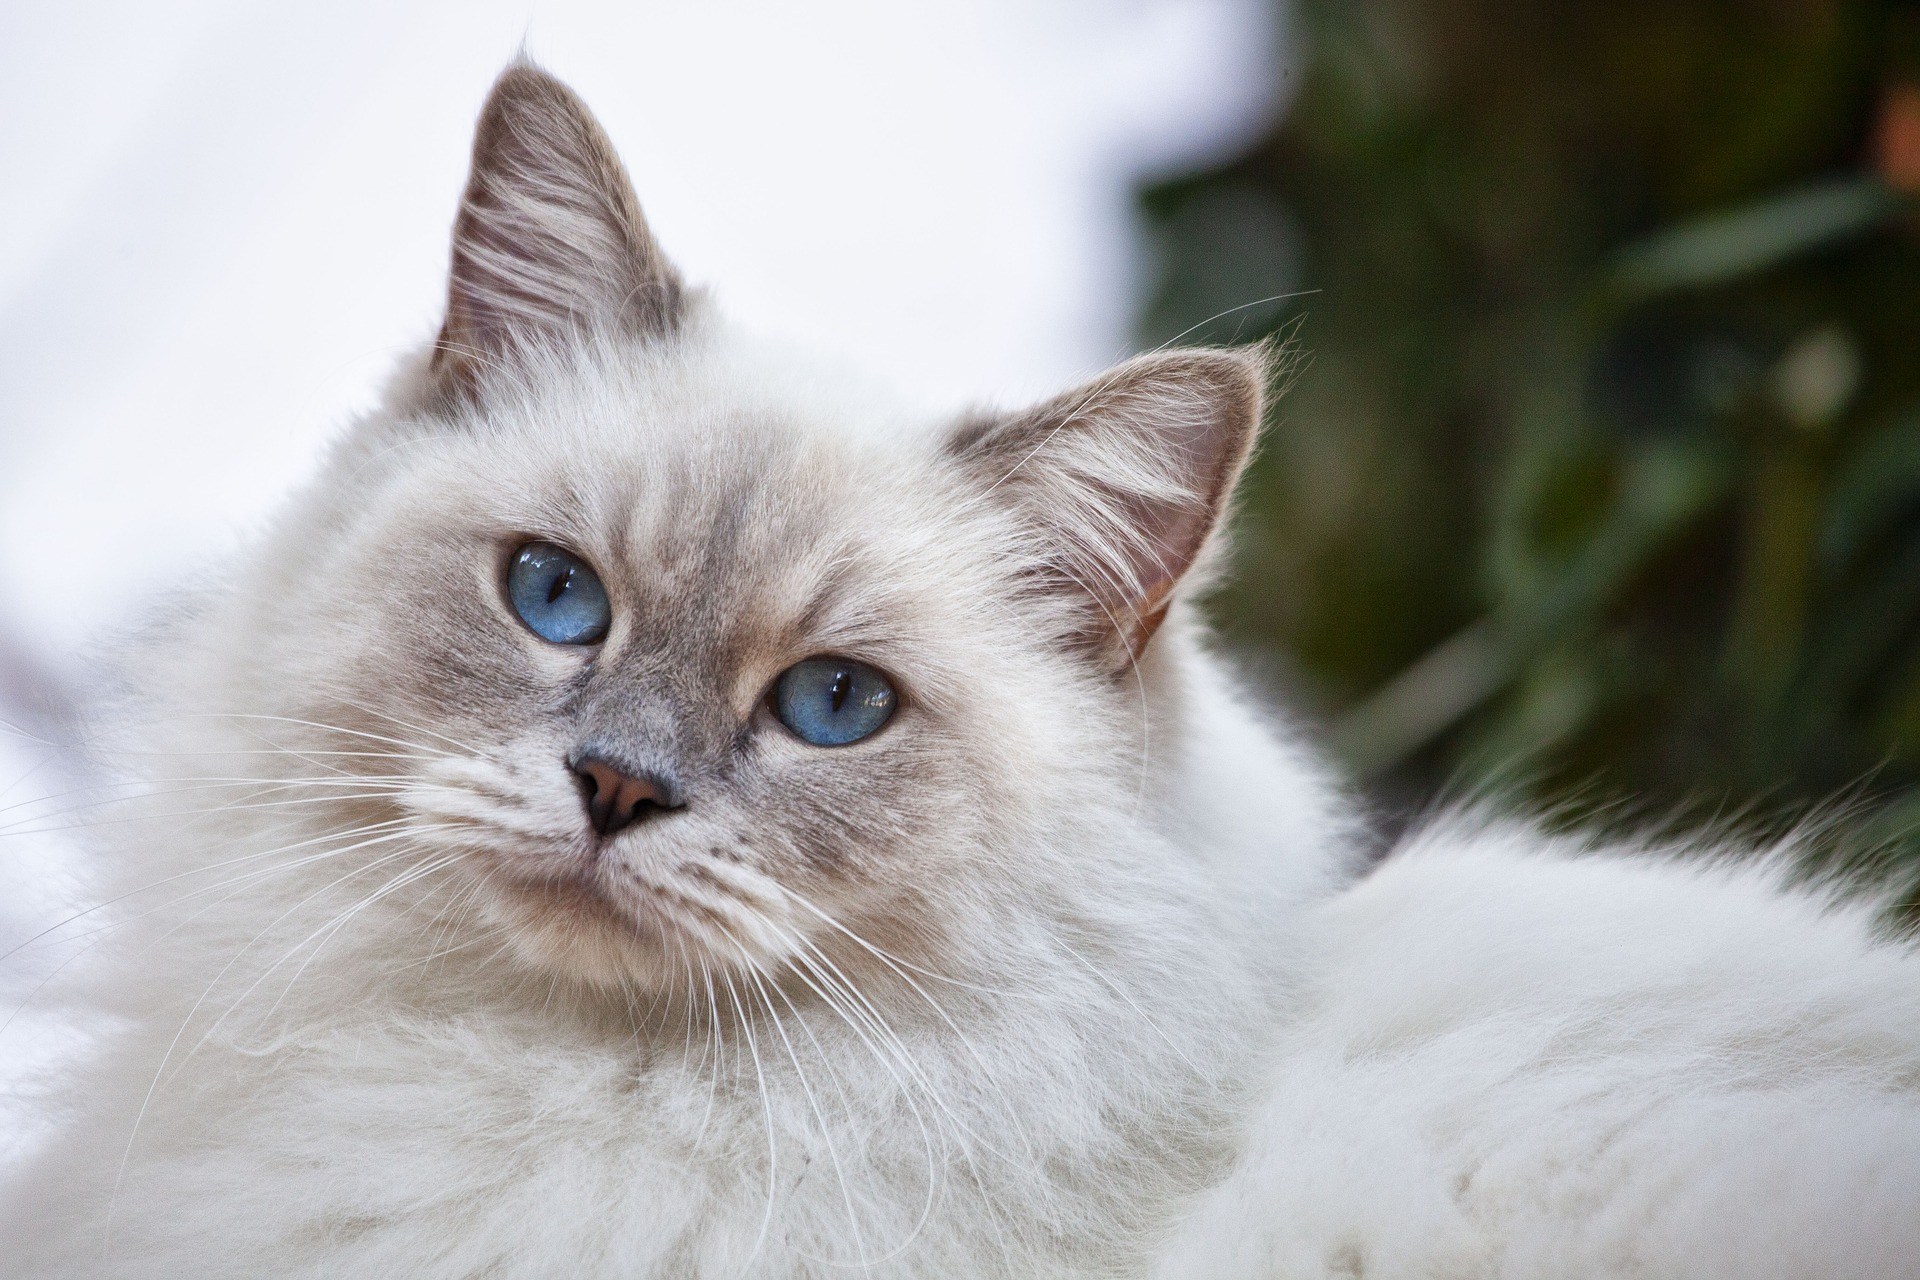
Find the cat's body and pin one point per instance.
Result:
(1527, 1058)
(1067, 969)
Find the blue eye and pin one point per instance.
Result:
(832, 701)
(557, 595)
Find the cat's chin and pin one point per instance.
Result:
(636, 938)
(570, 928)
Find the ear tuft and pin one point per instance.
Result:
(1123, 481)
(550, 242)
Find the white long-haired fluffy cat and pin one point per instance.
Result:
(654, 809)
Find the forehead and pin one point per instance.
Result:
(719, 511)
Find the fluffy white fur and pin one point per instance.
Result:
(1524, 1057)
(1121, 1003)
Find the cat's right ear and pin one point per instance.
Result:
(550, 243)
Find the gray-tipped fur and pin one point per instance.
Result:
(550, 242)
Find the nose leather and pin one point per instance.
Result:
(615, 799)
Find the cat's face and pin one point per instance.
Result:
(731, 543)
(702, 666)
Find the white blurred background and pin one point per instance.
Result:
(222, 221)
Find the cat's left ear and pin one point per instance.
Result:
(550, 242)
(1123, 482)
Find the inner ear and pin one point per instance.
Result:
(550, 243)
(1122, 484)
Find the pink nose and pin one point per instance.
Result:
(616, 800)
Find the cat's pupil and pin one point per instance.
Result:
(560, 583)
(842, 686)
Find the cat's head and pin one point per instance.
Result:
(701, 658)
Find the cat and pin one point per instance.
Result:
(656, 805)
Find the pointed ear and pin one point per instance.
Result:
(1123, 482)
(549, 241)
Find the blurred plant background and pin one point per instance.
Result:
(1601, 476)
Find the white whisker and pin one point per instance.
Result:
(766, 1108)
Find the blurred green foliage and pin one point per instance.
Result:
(1600, 471)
